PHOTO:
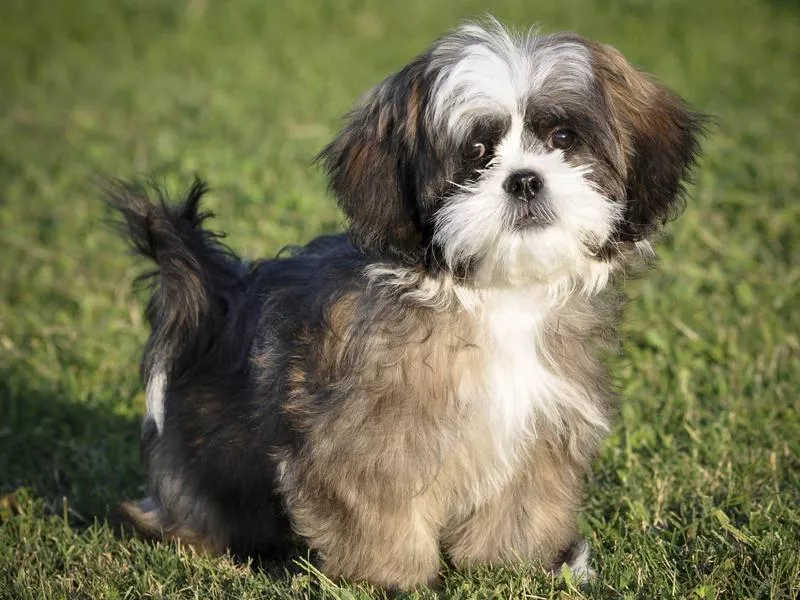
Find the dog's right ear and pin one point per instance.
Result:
(372, 167)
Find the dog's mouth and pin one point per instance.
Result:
(535, 214)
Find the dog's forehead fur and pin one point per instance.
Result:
(490, 71)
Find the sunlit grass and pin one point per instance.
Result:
(697, 491)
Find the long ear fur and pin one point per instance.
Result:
(372, 167)
(659, 136)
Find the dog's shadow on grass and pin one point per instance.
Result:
(81, 457)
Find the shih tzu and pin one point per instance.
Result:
(432, 380)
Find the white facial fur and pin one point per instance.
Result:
(496, 74)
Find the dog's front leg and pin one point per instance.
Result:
(392, 543)
(533, 518)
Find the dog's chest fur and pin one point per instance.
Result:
(520, 390)
(447, 404)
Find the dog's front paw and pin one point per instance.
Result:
(576, 558)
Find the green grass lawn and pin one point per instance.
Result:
(697, 492)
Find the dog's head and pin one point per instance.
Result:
(510, 158)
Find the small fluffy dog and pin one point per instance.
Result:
(431, 380)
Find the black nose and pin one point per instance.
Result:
(523, 185)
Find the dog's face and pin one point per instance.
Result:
(512, 159)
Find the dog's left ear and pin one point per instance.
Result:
(659, 136)
(371, 166)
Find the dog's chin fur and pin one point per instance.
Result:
(432, 380)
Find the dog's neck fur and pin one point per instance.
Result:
(530, 336)
(536, 377)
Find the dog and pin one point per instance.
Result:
(432, 379)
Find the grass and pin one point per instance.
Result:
(697, 492)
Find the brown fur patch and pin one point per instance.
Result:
(413, 109)
(368, 187)
(658, 135)
(639, 105)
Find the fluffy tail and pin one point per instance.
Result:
(197, 276)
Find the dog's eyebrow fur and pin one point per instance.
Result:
(489, 70)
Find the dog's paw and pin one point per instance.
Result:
(576, 559)
(142, 518)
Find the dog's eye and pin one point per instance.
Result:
(475, 151)
(563, 139)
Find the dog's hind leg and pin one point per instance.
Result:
(146, 519)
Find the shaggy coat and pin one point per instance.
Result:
(432, 379)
